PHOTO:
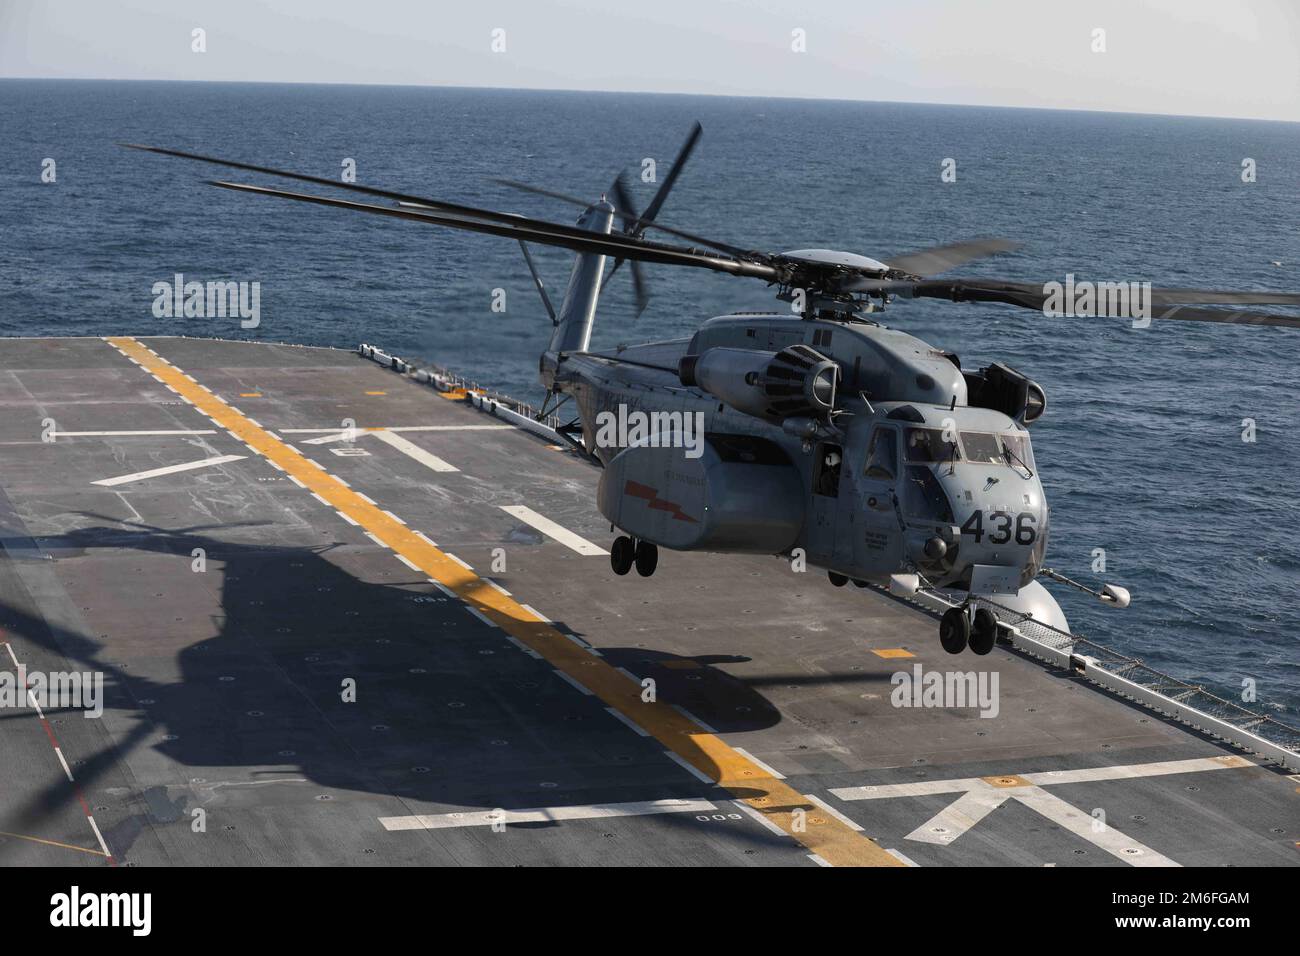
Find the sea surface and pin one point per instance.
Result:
(1140, 451)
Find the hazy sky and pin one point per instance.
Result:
(1207, 57)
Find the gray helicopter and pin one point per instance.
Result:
(811, 432)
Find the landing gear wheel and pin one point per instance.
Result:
(647, 558)
(860, 584)
(839, 580)
(622, 554)
(954, 630)
(984, 631)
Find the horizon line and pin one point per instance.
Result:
(730, 96)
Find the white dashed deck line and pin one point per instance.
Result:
(443, 588)
(168, 470)
(754, 760)
(698, 775)
(409, 563)
(523, 647)
(763, 821)
(572, 683)
(347, 519)
(552, 530)
(414, 451)
(695, 720)
(426, 539)
(536, 613)
(393, 516)
(458, 561)
(481, 616)
(813, 798)
(902, 857)
(496, 587)
(640, 731)
(322, 440)
(595, 811)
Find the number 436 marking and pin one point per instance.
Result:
(1002, 523)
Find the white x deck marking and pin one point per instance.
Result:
(982, 795)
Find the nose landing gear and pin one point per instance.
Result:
(965, 626)
(627, 553)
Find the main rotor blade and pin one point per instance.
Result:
(1164, 303)
(937, 259)
(534, 231)
(423, 202)
(628, 217)
(675, 170)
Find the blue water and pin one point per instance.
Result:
(1140, 451)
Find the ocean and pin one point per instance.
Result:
(1141, 450)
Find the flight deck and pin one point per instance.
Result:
(343, 618)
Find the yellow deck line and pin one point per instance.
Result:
(65, 846)
(823, 834)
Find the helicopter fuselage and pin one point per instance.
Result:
(906, 476)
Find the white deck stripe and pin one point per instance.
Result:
(1081, 824)
(754, 760)
(1159, 768)
(401, 428)
(99, 836)
(595, 811)
(571, 682)
(960, 815)
(58, 752)
(759, 818)
(681, 762)
(552, 530)
(847, 821)
(169, 470)
(160, 431)
(628, 722)
(324, 439)
(412, 450)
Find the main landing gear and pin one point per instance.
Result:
(627, 553)
(965, 626)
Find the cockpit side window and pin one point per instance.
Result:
(882, 455)
(928, 444)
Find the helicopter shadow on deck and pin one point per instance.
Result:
(436, 693)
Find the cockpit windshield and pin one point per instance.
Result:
(928, 445)
(996, 449)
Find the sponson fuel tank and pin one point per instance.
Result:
(741, 493)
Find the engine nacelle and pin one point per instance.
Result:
(742, 494)
(796, 382)
(1003, 389)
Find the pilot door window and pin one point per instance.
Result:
(882, 455)
(827, 481)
